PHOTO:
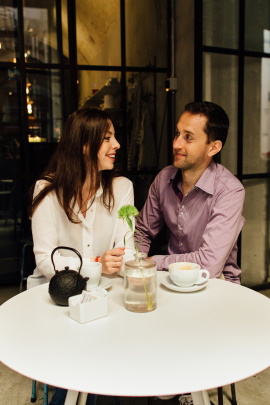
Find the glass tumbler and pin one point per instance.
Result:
(140, 284)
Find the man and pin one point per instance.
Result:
(200, 201)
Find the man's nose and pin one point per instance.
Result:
(178, 143)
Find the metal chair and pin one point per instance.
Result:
(27, 261)
(34, 393)
(220, 395)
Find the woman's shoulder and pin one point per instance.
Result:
(44, 181)
(41, 184)
(122, 186)
(121, 181)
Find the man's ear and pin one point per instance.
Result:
(215, 147)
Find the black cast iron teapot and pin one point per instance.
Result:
(66, 283)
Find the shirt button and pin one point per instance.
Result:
(183, 206)
(180, 244)
(180, 228)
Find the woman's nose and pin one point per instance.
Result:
(116, 144)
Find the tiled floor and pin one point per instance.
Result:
(15, 389)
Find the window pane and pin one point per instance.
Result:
(256, 143)
(220, 82)
(40, 31)
(9, 117)
(44, 105)
(147, 135)
(93, 86)
(64, 16)
(146, 33)
(220, 23)
(103, 90)
(257, 20)
(147, 121)
(98, 32)
(255, 233)
(8, 30)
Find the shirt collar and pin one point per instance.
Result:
(99, 192)
(76, 208)
(205, 182)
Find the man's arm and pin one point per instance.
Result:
(219, 237)
(150, 220)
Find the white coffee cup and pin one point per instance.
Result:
(186, 274)
(92, 270)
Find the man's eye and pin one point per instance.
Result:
(176, 134)
(188, 138)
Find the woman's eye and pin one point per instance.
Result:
(107, 138)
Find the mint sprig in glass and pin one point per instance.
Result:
(127, 212)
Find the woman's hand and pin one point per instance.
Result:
(112, 260)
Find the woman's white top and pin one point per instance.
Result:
(97, 232)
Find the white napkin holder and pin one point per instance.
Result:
(90, 310)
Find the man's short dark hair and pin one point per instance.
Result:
(217, 124)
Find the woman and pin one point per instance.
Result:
(76, 204)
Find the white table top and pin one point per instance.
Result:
(191, 342)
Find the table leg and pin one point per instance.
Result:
(200, 398)
(71, 397)
(82, 398)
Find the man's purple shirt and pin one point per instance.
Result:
(204, 225)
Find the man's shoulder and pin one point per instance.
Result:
(167, 173)
(227, 178)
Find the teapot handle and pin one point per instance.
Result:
(68, 248)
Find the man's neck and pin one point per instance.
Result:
(190, 178)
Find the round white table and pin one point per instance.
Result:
(192, 342)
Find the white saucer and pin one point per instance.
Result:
(104, 283)
(167, 282)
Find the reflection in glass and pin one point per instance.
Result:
(8, 30)
(147, 136)
(98, 32)
(253, 161)
(40, 32)
(93, 86)
(64, 15)
(100, 89)
(44, 105)
(220, 23)
(256, 21)
(220, 85)
(255, 233)
(147, 120)
(146, 33)
(9, 118)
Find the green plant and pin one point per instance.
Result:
(125, 213)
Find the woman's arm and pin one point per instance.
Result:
(45, 231)
(122, 239)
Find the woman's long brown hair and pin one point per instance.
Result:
(66, 172)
